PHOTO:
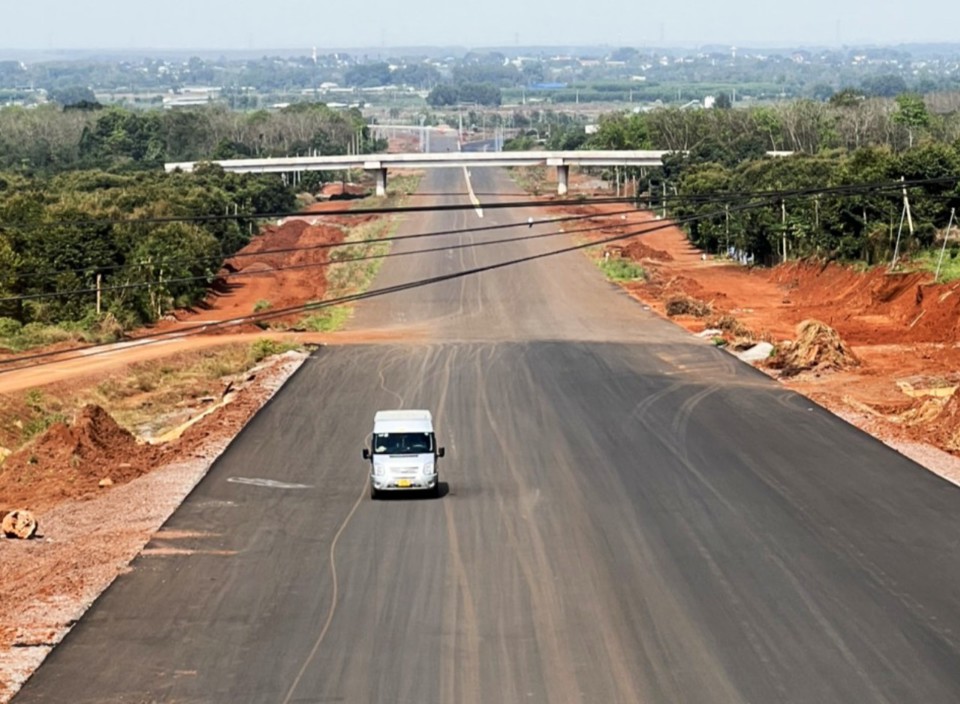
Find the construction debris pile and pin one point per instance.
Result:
(817, 348)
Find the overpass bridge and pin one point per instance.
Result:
(379, 164)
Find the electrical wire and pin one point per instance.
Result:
(305, 248)
(441, 207)
(845, 189)
(895, 187)
(295, 267)
(359, 212)
(12, 364)
(767, 198)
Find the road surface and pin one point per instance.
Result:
(628, 515)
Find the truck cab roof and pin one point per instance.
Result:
(403, 421)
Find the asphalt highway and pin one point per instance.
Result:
(628, 515)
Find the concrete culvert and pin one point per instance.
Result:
(19, 524)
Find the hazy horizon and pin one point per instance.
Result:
(180, 25)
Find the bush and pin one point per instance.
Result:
(262, 305)
(619, 269)
(10, 327)
(327, 320)
(37, 334)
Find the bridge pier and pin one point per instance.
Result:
(381, 183)
(563, 179)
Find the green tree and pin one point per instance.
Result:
(911, 114)
(620, 131)
(723, 102)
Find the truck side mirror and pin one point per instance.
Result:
(366, 453)
(441, 451)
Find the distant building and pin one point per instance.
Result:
(191, 96)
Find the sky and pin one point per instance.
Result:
(327, 24)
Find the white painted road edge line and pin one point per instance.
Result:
(473, 196)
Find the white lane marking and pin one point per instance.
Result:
(267, 483)
(473, 196)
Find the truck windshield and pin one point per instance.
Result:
(402, 443)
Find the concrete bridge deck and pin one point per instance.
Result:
(380, 163)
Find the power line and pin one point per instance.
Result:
(295, 267)
(438, 207)
(846, 189)
(700, 198)
(325, 245)
(441, 207)
(104, 348)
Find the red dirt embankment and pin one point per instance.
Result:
(284, 266)
(69, 461)
(901, 327)
(874, 306)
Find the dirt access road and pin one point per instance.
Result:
(629, 514)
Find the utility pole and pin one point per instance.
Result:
(726, 214)
(936, 277)
(664, 204)
(906, 205)
(783, 220)
(906, 214)
(896, 248)
(99, 281)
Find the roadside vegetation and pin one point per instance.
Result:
(64, 237)
(48, 139)
(532, 179)
(621, 270)
(718, 184)
(147, 398)
(95, 239)
(354, 266)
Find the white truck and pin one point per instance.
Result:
(403, 453)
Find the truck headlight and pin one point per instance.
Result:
(378, 470)
(430, 469)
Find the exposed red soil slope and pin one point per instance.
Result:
(258, 275)
(69, 461)
(902, 327)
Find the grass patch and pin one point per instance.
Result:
(354, 266)
(403, 185)
(265, 347)
(328, 319)
(622, 270)
(262, 305)
(40, 412)
(17, 337)
(154, 392)
(38, 424)
(949, 271)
